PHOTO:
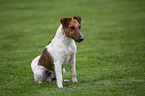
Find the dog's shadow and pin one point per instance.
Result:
(53, 84)
(67, 83)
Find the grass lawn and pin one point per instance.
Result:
(110, 61)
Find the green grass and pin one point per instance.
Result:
(110, 61)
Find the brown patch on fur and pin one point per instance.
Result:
(65, 21)
(46, 60)
(72, 30)
(78, 18)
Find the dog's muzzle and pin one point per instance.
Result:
(81, 39)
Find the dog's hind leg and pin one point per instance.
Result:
(40, 75)
(63, 72)
(50, 75)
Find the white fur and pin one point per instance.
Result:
(62, 50)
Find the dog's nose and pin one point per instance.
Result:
(81, 38)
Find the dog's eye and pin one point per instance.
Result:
(79, 27)
(72, 28)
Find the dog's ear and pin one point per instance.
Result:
(65, 21)
(78, 18)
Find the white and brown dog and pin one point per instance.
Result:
(61, 50)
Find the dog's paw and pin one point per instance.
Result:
(66, 80)
(39, 82)
(60, 86)
(75, 80)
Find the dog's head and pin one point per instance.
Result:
(72, 28)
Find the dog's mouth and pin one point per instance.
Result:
(79, 40)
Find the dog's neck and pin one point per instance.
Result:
(61, 37)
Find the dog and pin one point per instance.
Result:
(60, 51)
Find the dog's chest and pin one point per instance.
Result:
(67, 55)
(60, 51)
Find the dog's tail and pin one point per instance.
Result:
(34, 63)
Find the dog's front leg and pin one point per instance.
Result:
(72, 64)
(58, 72)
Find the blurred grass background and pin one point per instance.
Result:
(110, 61)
